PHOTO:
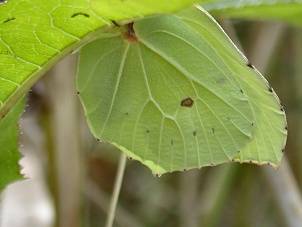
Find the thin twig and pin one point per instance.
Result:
(189, 182)
(296, 84)
(123, 217)
(116, 190)
(65, 142)
(213, 198)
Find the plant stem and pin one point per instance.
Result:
(116, 190)
(189, 185)
(102, 200)
(297, 115)
(213, 198)
(65, 154)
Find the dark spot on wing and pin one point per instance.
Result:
(148, 131)
(9, 19)
(250, 65)
(115, 23)
(4, 52)
(270, 89)
(2, 116)
(187, 102)
(268, 163)
(194, 133)
(213, 130)
(80, 14)
(241, 91)
(172, 142)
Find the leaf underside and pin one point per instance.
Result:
(283, 10)
(35, 34)
(179, 95)
(9, 155)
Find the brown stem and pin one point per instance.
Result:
(65, 150)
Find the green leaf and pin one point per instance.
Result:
(9, 153)
(177, 95)
(34, 34)
(283, 10)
